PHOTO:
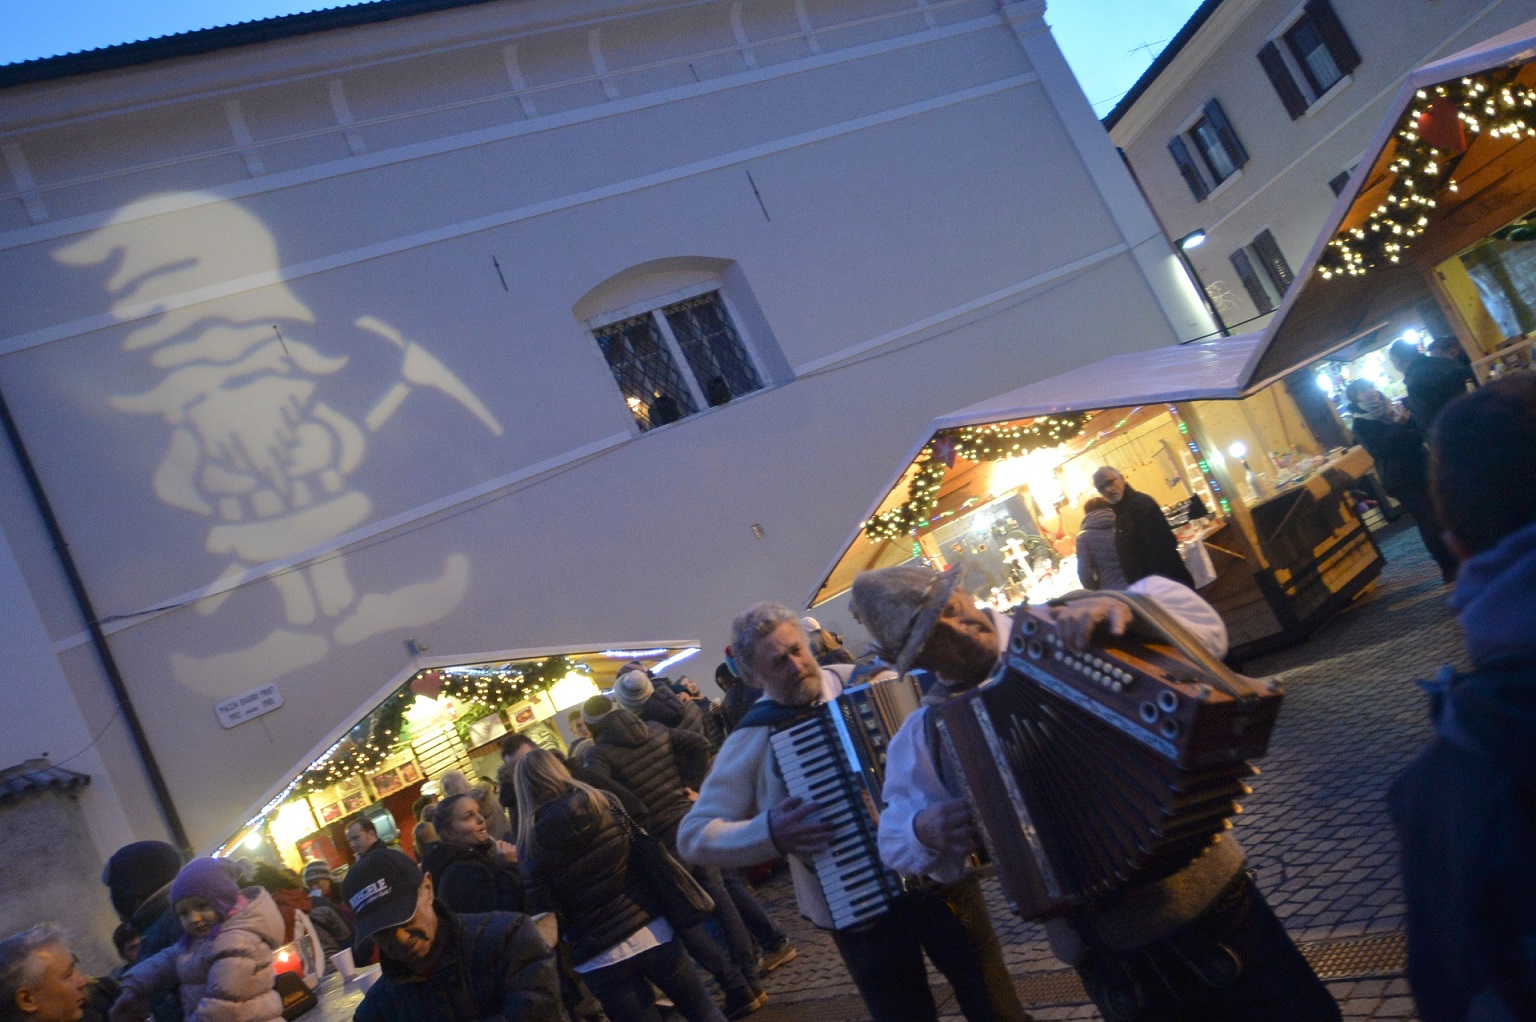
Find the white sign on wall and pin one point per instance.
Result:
(240, 709)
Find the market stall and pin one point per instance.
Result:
(1435, 234)
(444, 714)
(1260, 498)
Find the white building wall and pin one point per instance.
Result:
(1284, 187)
(397, 232)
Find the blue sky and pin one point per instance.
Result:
(1108, 42)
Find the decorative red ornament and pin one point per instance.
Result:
(428, 683)
(1441, 127)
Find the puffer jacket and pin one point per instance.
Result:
(490, 967)
(656, 763)
(474, 879)
(578, 868)
(226, 978)
(669, 709)
(158, 929)
(1098, 565)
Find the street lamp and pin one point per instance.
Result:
(1194, 239)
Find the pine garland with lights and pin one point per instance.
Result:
(1491, 104)
(974, 443)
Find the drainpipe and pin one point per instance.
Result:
(98, 637)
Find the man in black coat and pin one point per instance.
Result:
(1143, 538)
(439, 965)
(139, 878)
(1432, 383)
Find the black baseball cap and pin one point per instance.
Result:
(382, 887)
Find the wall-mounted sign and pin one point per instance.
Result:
(240, 709)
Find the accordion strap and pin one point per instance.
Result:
(1163, 625)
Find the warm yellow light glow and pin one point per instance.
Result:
(1037, 470)
(572, 690)
(1238, 450)
(290, 823)
(253, 841)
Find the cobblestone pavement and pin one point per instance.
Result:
(1316, 828)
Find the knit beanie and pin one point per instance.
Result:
(209, 879)
(314, 871)
(632, 690)
(136, 871)
(595, 709)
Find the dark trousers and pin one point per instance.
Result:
(625, 988)
(735, 965)
(950, 923)
(1235, 963)
(765, 933)
(1417, 503)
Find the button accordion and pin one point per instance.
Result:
(1092, 771)
(836, 759)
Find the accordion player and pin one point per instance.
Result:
(1092, 770)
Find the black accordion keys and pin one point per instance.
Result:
(836, 759)
(1093, 771)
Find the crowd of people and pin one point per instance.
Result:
(662, 775)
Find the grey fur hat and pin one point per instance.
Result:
(899, 607)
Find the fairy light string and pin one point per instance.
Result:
(996, 442)
(1432, 138)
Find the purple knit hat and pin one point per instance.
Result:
(210, 879)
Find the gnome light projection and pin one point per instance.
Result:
(254, 445)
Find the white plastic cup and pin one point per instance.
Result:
(344, 964)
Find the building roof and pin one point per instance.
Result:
(208, 40)
(1170, 53)
(37, 775)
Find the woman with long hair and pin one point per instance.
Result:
(574, 848)
(471, 871)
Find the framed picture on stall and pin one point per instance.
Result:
(353, 802)
(387, 783)
(408, 773)
(329, 812)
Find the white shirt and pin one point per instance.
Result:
(912, 780)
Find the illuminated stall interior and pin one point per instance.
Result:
(1255, 488)
(1438, 236)
(442, 718)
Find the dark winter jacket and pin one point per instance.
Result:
(1465, 809)
(491, 967)
(1398, 450)
(656, 763)
(1433, 383)
(735, 704)
(158, 929)
(578, 868)
(1098, 565)
(475, 879)
(669, 709)
(1144, 540)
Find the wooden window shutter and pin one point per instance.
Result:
(1251, 282)
(1334, 37)
(1280, 78)
(1187, 167)
(1229, 140)
(1273, 260)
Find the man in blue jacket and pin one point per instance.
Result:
(1465, 809)
(439, 965)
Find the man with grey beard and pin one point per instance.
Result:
(744, 815)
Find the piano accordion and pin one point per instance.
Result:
(1092, 771)
(836, 759)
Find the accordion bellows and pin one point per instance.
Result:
(1090, 772)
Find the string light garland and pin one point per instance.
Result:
(1431, 140)
(973, 443)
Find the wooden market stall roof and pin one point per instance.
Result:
(1495, 183)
